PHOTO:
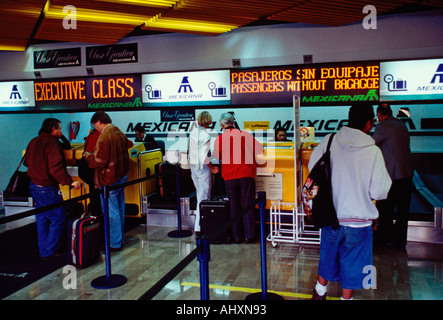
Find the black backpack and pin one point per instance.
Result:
(317, 193)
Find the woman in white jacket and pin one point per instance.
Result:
(200, 162)
(359, 176)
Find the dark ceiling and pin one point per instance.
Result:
(26, 22)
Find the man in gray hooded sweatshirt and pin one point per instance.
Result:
(359, 176)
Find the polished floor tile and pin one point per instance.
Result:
(235, 272)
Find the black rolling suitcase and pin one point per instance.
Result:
(213, 215)
(84, 240)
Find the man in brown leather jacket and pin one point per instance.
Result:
(47, 169)
(110, 160)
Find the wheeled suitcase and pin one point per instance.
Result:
(213, 215)
(84, 240)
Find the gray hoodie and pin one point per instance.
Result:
(359, 176)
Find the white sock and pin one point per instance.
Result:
(351, 298)
(321, 289)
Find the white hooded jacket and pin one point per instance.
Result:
(199, 147)
(359, 176)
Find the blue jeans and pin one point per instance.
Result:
(344, 252)
(50, 224)
(116, 210)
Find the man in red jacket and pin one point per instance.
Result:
(237, 151)
(47, 169)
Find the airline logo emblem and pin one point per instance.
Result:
(17, 95)
(411, 80)
(187, 88)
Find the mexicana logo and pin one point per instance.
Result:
(438, 74)
(185, 85)
(15, 94)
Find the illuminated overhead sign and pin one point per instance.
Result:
(411, 80)
(60, 94)
(316, 84)
(186, 88)
(17, 95)
(114, 92)
(58, 58)
(113, 54)
(89, 93)
(263, 85)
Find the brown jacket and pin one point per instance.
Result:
(110, 158)
(46, 161)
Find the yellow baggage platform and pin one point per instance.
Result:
(276, 173)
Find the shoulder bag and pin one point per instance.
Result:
(317, 193)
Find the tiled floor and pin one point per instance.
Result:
(234, 272)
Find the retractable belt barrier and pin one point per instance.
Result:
(202, 250)
(35, 211)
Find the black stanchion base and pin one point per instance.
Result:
(115, 280)
(180, 234)
(259, 296)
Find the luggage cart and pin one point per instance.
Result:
(287, 224)
(288, 219)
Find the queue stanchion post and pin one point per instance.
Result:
(203, 258)
(264, 294)
(179, 233)
(109, 280)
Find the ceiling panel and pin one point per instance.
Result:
(24, 22)
(17, 21)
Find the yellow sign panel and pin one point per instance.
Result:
(256, 125)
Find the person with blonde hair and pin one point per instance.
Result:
(200, 161)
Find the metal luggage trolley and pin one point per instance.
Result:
(288, 225)
(287, 219)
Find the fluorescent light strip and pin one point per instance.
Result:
(190, 25)
(56, 12)
(146, 3)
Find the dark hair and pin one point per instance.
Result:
(360, 114)
(277, 130)
(48, 124)
(139, 128)
(101, 116)
(384, 109)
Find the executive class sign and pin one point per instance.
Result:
(110, 92)
(121, 92)
(60, 94)
(319, 84)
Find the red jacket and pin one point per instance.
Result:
(237, 151)
(46, 161)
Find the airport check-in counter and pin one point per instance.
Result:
(277, 171)
(141, 164)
